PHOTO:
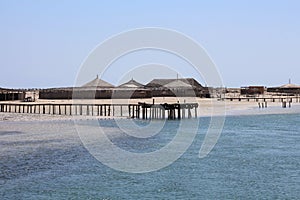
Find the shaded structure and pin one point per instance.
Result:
(95, 89)
(97, 83)
(100, 89)
(252, 90)
(131, 90)
(11, 94)
(183, 87)
(286, 89)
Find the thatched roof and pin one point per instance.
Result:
(98, 83)
(178, 84)
(290, 86)
(164, 82)
(131, 84)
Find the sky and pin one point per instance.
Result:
(44, 43)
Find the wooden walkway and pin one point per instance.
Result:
(264, 99)
(138, 111)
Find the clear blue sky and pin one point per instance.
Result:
(43, 43)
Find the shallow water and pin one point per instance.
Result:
(256, 157)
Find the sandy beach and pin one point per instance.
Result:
(207, 108)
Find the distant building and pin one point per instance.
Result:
(95, 89)
(287, 89)
(183, 87)
(97, 83)
(131, 90)
(252, 90)
(100, 89)
(11, 94)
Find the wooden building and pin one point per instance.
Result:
(95, 89)
(100, 89)
(253, 90)
(11, 94)
(183, 87)
(131, 90)
(285, 89)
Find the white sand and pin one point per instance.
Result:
(207, 107)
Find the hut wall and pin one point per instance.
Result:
(94, 94)
(131, 94)
(10, 96)
(252, 90)
(284, 90)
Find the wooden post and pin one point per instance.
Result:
(137, 112)
(143, 112)
(178, 111)
(129, 111)
(196, 112)
(87, 110)
(152, 111)
(189, 112)
(121, 111)
(132, 111)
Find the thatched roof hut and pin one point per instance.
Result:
(183, 87)
(155, 83)
(99, 83)
(131, 84)
(287, 88)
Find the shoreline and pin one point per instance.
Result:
(207, 108)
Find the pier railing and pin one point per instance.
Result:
(139, 111)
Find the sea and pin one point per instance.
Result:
(255, 157)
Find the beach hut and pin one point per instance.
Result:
(11, 94)
(183, 87)
(287, 88)
(94, 89)
(131, 84)
(131, 90)
(99, 83)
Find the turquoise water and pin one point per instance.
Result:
(256, 157)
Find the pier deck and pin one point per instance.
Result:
(139, 111)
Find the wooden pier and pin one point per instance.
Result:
(139, 111)
(264, 99)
